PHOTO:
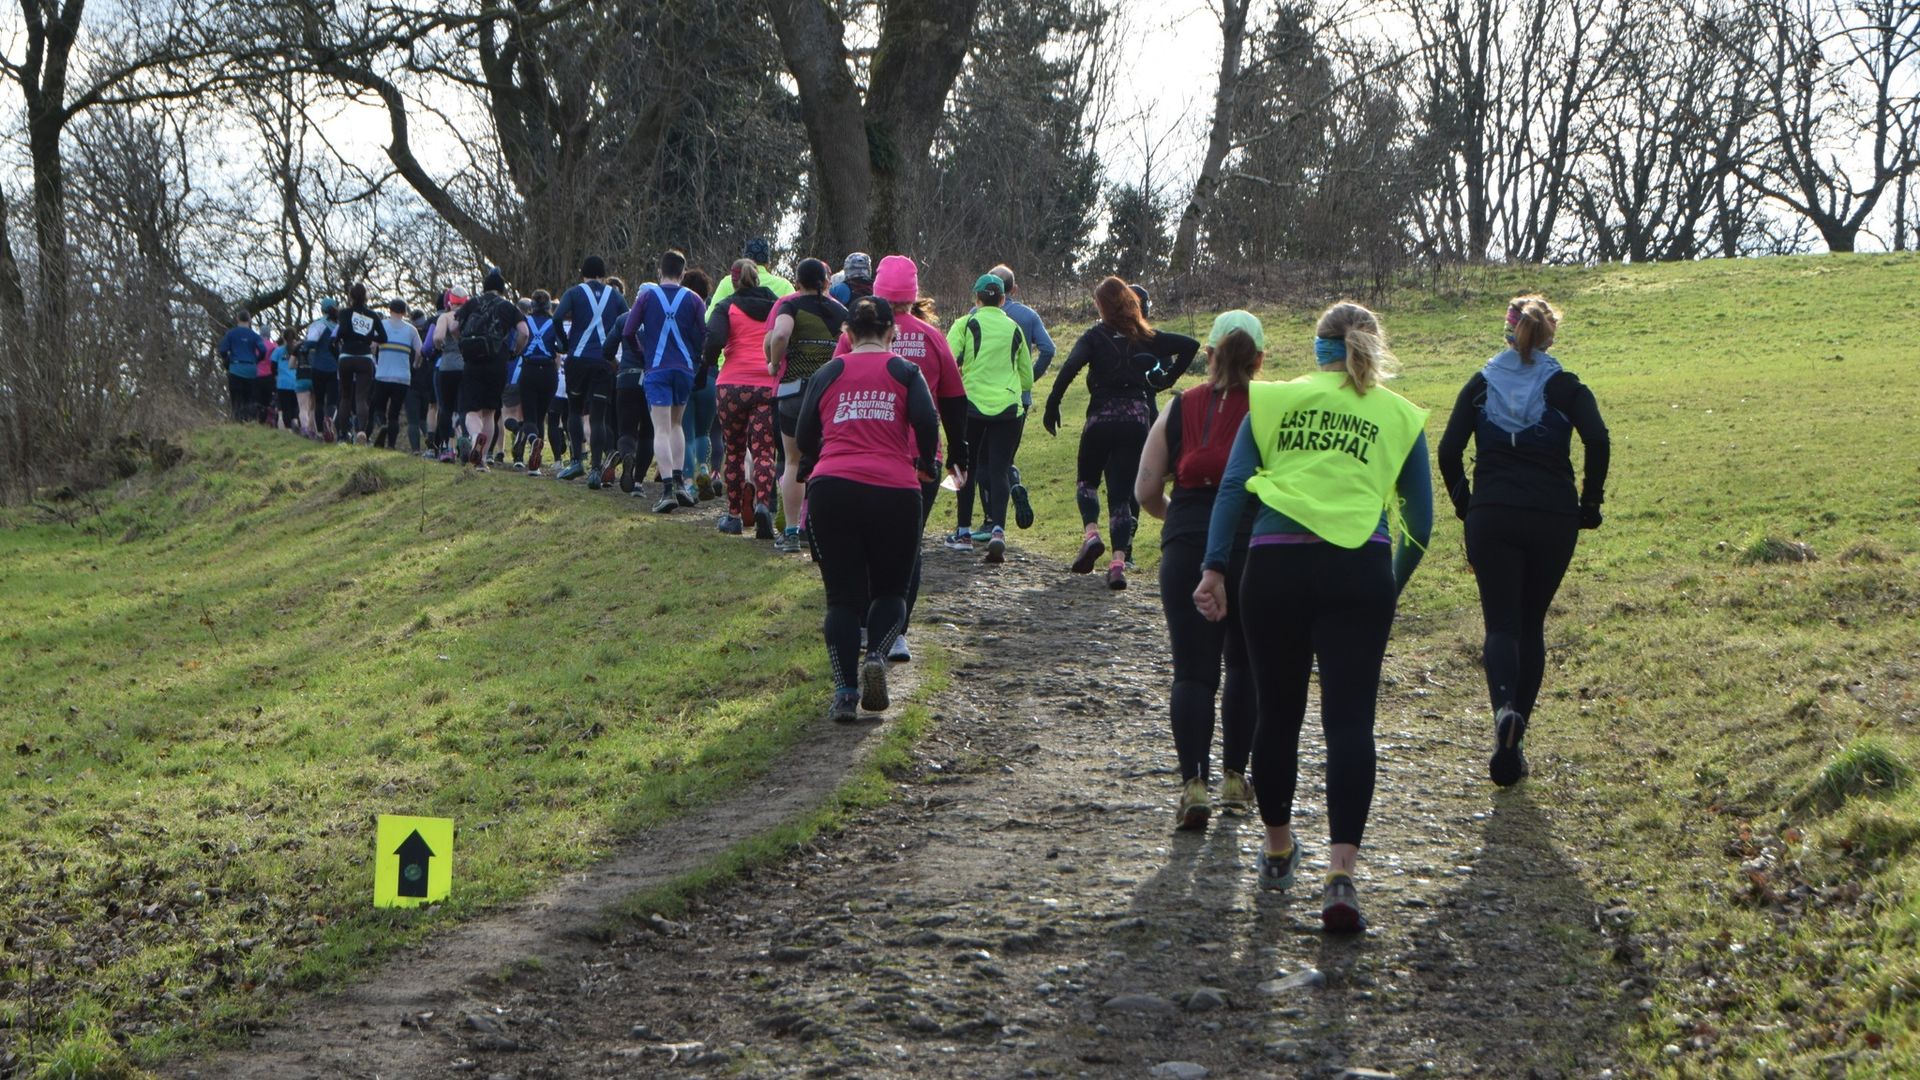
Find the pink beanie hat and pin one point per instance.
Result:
(897, 281)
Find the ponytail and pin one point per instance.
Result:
(1531, 325)
(1368, 360)
(1232, 363)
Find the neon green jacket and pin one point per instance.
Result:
(996, 362)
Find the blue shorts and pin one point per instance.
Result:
(668, 387)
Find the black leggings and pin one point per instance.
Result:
(240, 396)
(1308, 601)
(538, 380)
(1198, 648)
(448, 383)
(865, 538)
(993, 442)
(1518, 557)
(418, 398)
(928, 493)
(356, 395)
(389, 401)
(326, 397)
(636, 428)
(590, 397)
(1111, 449)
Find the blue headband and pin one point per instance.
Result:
(1330, 350)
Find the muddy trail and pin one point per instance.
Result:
(1023, 907)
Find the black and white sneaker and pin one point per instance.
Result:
(898, 653)
(1340, 906)
(1509, 764)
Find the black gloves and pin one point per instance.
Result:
(1590, 515)
(1051, 421)
(1462, 496)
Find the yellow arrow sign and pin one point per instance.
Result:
(412, 860)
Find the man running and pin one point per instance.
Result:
(855, 279)
(997, 367)
(591, 311)
(661, 344)
(536, 375)
(360, 333)
(492, 331)
(393, 368)
(242, 351)
(1041, 343)
(323, 363)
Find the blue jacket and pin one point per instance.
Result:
(588, 338)
(243, 350)
(1028, 320)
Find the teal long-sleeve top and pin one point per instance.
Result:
(1414, 486)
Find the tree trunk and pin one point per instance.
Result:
(1233, 33)
(923, 44)
(812, 43)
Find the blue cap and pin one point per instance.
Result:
(327, 305)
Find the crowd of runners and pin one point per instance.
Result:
(829, 411)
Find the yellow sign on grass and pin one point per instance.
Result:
(412, 860)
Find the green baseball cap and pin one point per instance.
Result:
(989, 283)
(1229, 321)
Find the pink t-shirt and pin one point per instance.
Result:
(865, 432)
(914, 339)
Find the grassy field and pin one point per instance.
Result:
(214, 687)
(1729, 740)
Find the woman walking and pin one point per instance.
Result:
(1522, 512)
(1127, 361)
(1325, 455)
(867, 434)
(1189, 443)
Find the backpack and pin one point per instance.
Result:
(487, 323)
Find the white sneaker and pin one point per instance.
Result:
(899, 653)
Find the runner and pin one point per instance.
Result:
(393, 368)
(591, 311)
(361, 331)
(1324, 455)
(291, 393)
(700, 422)
(1523, 515)
(1043, 349)
(736, 342)
(1189, 444)
(492, 331)
(760, 252)
(450, 371)
(799, 342)
(996, 365)
(898, 283)
(241, 350)
(867, 435)
(1127, 360)
(536, 378)
(263, 379)
(323, 366)
(420, 407)
(855, 279)
(660, 349)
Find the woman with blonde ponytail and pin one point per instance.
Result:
(1522, 512)
(1325, 456)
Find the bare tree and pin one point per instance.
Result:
(1232, 17)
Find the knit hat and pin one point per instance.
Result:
(1229, 321)
(859, 266)
(758, 250)
(897, 281)
(593, 266)
(496, 281)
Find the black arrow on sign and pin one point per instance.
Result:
(414, 856)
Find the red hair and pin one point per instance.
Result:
(1120, 309)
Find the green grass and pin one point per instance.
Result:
(215, 687)
(1700, 679)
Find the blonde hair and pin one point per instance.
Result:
(1232, 363)
(1531, 324)
(1369, 362)
(924, 310)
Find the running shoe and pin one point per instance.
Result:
(873, 684)
(463, 448)
(573, 470)
(360, 438)
(611, 473)
(898, 652)
(1509, 765)
(730, 524)
(1340, 905)
(1090, 553)
(595, 478)
(703, 486)
(997, 545)
(519, 466)
(788, 542)
(667, 505)
(446, 457)
(845, 708)
(687, 494)
(1022, 506)
(961, 540)
(1274, 871)
(762, 522)
(480, 466)
(629, 469)
(1193, 810)
(982, 534)
(1117, 576)
(533, 455)
(1236, 795)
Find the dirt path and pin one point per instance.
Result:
(1023, 908)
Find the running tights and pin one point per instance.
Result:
(697, 423)
(1199, 647)
(538, 381)
(1317, 600)
(747, 429)
(993, 442)
(326, 398)
(417, 402)
(865, 538)
(356, 396)
(240, 396)
(448, 383)
(636, 429)
(389, 401)
(1518, 557)
(1111, 449)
